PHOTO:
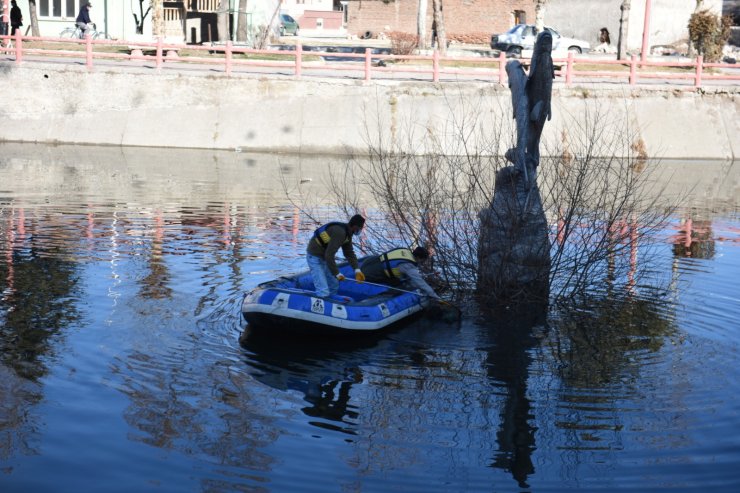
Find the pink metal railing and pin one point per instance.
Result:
(295, 62)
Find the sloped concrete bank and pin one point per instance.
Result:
(63, 104)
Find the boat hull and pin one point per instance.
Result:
(290, 304)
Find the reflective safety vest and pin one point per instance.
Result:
(392, 259)
(323, 238)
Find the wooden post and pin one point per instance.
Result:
(646, 32)
(435, 65)
(88, 50)
(633, 70)
(368, 64)
(699, 70)
(18, 47)
(159, 52)
(228, 57)
(569, 69)
(502, 68)
(298, 60)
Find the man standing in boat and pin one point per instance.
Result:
(322, 249)
(399, 265)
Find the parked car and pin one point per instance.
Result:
(288, 25)
(522, 37)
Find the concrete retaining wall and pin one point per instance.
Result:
(61, 104)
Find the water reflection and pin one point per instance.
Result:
(121, 283)
(508, 361)
(39, 286)
(694, 239)
(322, 372)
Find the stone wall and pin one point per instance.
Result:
(67, 104)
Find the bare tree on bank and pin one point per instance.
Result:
(242, 28)
(421, 25)
(624, 20)
(34, 18)
(439, 27)
(139, 19)
(222, 20)
(157, 18)
(539, 15)
(595, 189)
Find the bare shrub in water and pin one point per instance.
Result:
(595, 186)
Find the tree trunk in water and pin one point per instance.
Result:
(624, 20)
(439, 27)
(34, 18)
(157, 18)
(539, 15)
(421, 25)
(241, 30)
(514, 246)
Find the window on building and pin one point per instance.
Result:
(59, 8)
(520, 17)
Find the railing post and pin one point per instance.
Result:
(435, 65)
(699, 70)
(502, 68)
(18, 47)
(633, 70)
(88, 50)
(646, 32)
(298, 59)
(159, 52)
(569, 69)
(368, 64)
(228, 57)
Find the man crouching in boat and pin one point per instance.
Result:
(322, 249)
(399, 265)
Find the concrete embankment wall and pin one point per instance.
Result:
(53, 104)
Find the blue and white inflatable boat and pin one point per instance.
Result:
(290, 303)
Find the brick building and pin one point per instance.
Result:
(468, 21)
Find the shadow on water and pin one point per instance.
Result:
(324, 369)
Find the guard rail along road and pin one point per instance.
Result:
(367, 66)
(159, 94)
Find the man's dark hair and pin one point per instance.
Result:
(357, 220)
(421, 253)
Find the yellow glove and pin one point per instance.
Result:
(359, 276)
(341, 277)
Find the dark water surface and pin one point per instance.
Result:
(121, 273)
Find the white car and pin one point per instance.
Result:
(522, 37)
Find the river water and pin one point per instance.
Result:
(121, 274)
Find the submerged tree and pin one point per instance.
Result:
(597, 195)
(427, 183)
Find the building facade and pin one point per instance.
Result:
(192, 21)
(584, 19)
(466, 21)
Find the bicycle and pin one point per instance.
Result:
(77, 33)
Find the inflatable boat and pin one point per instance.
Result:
(291, 304)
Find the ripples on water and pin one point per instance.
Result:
(120, 365)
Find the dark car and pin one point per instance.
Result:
(288, 25)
